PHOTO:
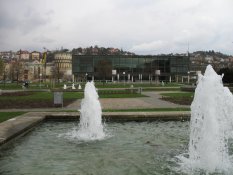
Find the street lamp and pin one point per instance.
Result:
(124, 78)
(86, 76)
(188, 76)
(157, 74)
(40, 79)
(114, 72)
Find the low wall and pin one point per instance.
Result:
(19, 125)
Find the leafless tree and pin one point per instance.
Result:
(2, 67)
(56, 73)
(16, 70)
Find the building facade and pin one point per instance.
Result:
(35, 55)
(131, 68)
(23, 55)
(63, 62)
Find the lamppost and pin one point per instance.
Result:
(86, 76)
(157, 74)
(40, 79)
(114, 72)
(188, 76)
(124, 77)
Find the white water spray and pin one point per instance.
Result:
(210, 126)
(90, 125)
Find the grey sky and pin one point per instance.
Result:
(140, 26)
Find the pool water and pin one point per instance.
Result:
(131, 148)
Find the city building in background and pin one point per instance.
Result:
(23, 55)
(63, 64)
(129, 67)
(99, 63)
(35, 55)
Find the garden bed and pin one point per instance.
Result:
(178, 98)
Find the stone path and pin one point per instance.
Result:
(152, 101)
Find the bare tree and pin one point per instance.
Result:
(2, 67)
(16, 70)
(56, 73)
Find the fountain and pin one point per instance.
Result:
(73, 86)
(162, 83)
(136, 147)
(64, 87)
(90, 126)
(210, 126)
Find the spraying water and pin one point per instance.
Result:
(210, 126)
(90, 125)
(73, 86)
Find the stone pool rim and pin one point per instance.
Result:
(17, 126)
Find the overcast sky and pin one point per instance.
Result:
(140, 26)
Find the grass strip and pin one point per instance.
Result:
(178, 94)
(8, 115)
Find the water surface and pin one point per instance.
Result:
(133, 148)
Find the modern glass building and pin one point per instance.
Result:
(133, 67)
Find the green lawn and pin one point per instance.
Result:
(43, 96)
(183, 98)
(162, 89)
(45, 99)
(10, 86)
(35, 99)
(178, 94)
(8, 115)
(67, 95)
(97, 84)
(128, 85)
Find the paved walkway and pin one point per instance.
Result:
(152, 101)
